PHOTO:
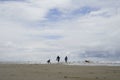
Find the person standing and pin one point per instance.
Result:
(66, 59)
(58, 59)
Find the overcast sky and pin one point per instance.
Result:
(36, 30)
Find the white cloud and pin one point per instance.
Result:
(23, 25)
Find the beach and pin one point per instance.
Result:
(58, 72)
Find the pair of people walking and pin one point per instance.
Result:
(58, 59)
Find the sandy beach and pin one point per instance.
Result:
(58, 72)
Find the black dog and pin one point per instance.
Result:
(48, 61)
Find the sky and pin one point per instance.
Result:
(37, 30)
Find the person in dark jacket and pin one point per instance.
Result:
(58, 59)
(66, 59)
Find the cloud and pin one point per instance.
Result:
(11, 0)
(42, 29)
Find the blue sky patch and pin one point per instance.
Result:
(54, 14)
(84, 10)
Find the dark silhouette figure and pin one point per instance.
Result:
(66, 59)
(48, 61)
(58, 59)
(87, 61)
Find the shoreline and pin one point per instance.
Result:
(62, 63)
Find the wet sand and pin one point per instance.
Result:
(58, 72)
